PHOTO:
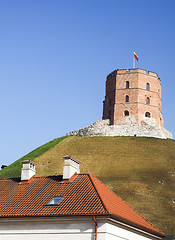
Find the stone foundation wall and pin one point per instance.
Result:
(147, 128)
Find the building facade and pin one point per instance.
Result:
(132, 96)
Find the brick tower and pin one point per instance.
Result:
(133, 96)
(132, 107)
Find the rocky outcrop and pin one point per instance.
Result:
(147, 128)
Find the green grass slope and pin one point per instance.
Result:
(140, 170)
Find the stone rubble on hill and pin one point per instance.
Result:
(147, 128)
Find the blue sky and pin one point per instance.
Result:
(55, 56)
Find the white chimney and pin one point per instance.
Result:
(28, 170)
(71, 166)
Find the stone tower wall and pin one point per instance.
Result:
(115, 104)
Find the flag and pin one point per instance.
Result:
(135, 56)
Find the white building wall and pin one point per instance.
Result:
(62, 229)
(117, 233)
(47, 231)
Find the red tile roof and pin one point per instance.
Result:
(83, 195)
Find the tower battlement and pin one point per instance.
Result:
(133, 70)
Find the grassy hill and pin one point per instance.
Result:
(140, 170)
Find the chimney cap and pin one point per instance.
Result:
(69, 157)
(28, 161)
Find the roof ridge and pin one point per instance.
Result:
(90, 177)
(18, 178)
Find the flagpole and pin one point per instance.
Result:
(133, 61)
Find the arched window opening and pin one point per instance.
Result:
(148, 114)
(127, 84)
(148, 86)
(147, 100)
(127, 98)
(126, 112)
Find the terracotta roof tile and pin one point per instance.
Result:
(83, 195)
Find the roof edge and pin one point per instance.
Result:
(144, 230)
(90, 177)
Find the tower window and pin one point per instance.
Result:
(126, 112)
(127, 84)
(110, 102)
(127, 98)
(148, 114)
(148, 86)
(147, 100)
